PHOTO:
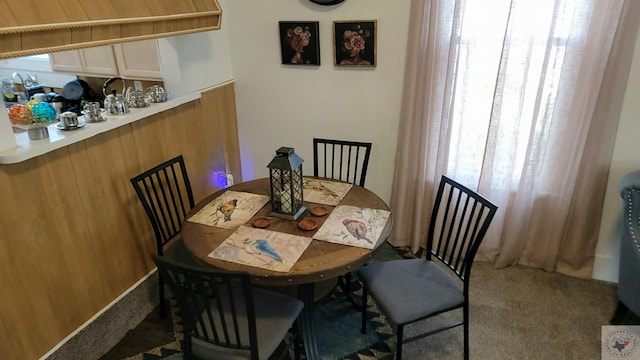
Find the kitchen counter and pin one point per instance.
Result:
(27, 149)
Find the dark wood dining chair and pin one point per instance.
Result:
(347, 161)
(224, 317)
(341, 160)
(166, 195)
(412, 290)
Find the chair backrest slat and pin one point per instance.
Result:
(166, 195)
(341, 160)
(459, 222)
(216, 306)
(456, 255)
(175, 194)
(474, 233)
(159, 193)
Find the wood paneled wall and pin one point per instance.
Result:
(73, 235)
(26, 29)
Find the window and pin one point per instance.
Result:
(38, 63)
(527, 50)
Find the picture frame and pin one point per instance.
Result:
(300, 42)
(354, 43)
(326, 2)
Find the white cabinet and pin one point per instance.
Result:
(133, 60)
(138, 60)
(96, 61)
(66, 61)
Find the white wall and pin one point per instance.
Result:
(289, 105)
(196, 61)
(625, 160)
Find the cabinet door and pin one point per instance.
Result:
(99, 61)
(96, 61)
(138, 60)
(67, 61)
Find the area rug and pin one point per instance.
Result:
(337, 333)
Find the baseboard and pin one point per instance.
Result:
(104, 330)
(606, 268)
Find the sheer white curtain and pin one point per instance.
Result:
(519, 99)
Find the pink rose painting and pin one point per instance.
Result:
(298, 40)
(355, 43)
(299, 43)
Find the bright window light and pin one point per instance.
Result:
(38, 63)
(41, 57)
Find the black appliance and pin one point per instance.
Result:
(75, 93)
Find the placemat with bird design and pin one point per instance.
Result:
(230, 210)
(324, 192)
(261, 248)
(352, 225)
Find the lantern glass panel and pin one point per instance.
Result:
(297, 185)
(285, 172)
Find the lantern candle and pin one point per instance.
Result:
(285, 196)
(286, 205)
(285, 175)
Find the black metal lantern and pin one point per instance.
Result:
(285, 174)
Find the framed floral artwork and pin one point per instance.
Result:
(300, 42)
(354, 43)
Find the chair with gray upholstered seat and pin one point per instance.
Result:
(166, 196)
(412, 290)
(225, 317)
(341, 160)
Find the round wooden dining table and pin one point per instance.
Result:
(314, 274)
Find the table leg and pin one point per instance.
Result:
(307, 321)
(345, 283)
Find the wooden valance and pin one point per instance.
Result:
(30, 27)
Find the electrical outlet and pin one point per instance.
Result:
(223, 179)
(137, 85)
(229, 179)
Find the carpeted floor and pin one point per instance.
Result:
(522, 313)
(516, 313)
